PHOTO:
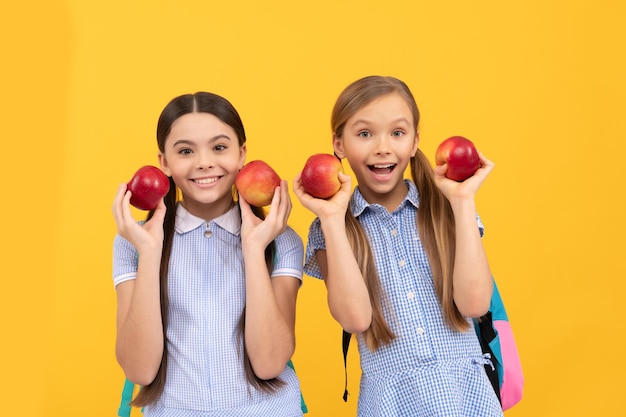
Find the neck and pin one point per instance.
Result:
(390, 200)
(208, 211)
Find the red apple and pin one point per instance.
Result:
(148, 186)
(320, 176)
(461, 156)
(256, 182)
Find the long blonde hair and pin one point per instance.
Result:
(435, 220)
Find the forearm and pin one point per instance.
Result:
(139, 343)
(270, 318)
(472, 278)
(348, 297)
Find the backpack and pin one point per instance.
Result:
(496, 339)
(129, 388)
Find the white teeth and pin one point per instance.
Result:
(383, 166)
(205, 180)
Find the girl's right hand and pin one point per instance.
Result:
(324, 208)
(148, 236)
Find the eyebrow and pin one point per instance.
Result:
(395, 121)
(190, 142)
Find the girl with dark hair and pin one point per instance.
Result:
(403, 261)
(207, 285)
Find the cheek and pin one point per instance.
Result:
(179, 168)
(351, 148)
(359, 151)
(177, 177)
(232, 165)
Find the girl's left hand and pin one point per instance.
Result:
(467, 189)
(260, 232)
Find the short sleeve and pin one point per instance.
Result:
(290, 254)
(315, 242)
(125, 259)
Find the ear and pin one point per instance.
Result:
(163, 163)
(338, 147)
(415, 143)
(242, 155)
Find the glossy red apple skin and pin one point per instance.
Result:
(256, 182)
(148, 186)
(320, 175)
(461, 156)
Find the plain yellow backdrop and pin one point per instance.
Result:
(538, 86)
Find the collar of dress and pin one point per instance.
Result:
(186, 222)
(358, 203)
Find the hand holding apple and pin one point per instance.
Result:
(256, 182)
(147, 187)
(320, 175)
(461, 156)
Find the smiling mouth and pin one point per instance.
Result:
(382, 169)
(206, 180)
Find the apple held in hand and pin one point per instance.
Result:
(320, 176)
(256, 182)
(148, 186)
(461, 156)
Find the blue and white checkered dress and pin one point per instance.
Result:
(205, 373)
(429, 369)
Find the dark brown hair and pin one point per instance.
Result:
(223, 110)
(435, 220)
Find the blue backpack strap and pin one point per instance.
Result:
(497, 307)
(489, 339)
(302, 404)
(498, 312)
(127, 397)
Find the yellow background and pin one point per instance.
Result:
(539, 87)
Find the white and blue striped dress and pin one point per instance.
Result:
(205, 373)
(429, 369)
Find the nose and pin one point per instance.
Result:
(204, 160)
(382, 146)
